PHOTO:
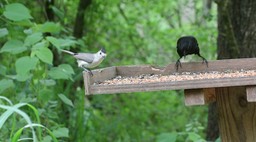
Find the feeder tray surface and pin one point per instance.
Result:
(192, 75)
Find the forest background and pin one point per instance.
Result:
(42, 93)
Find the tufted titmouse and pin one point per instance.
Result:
(88, 60)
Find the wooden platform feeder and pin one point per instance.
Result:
(235, 95)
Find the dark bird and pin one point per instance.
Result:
(188, 45)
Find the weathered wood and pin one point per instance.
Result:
(199, 96)
(100, 75)
(251, 93)
(219, 65)
(194, 97)
(138, 70)
(237, 119)
(87, 82)
(173, 85)
(210, 95)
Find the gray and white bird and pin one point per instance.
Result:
(88, 60)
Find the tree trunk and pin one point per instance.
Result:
(236, 39)
(49, 14)
(79, 23)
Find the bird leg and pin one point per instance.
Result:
(178, 63)
(88, 70)
(204, 60)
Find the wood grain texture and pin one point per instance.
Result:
(138, 70)
(199, 96)
(251, 93)
(237, 117)
(174, 85)
(194, 97)
(135, 70)
(100, 75)
(87, 82)
(216, 65)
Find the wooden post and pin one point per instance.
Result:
(251, 93)
(87, 82)
(199, 96)
(237, 117)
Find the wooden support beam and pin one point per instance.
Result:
(199, 96)
(251, 93)
(237, 119)
(87, 82)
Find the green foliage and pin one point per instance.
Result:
(13, 47)
(5, 84)
(17, 12)
(33, 71)
(11, 109)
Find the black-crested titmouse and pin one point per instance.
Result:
(88, 60)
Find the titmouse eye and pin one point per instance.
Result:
(100, 53)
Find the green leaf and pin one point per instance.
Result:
(54, 41)
(63, 71)
(42, 44)
(65, 100)
(3, 69)
(47, 139)
(48, 82)
(194, 137)
(33, 38)
(67, 68)
(5, 84)
(59, 13)
(23, 77)
(67, 42)
(13, 47)
(19, 132)
(167, 137)
(45, 55)
(3, 32)
(50, 27)
(6, 99)
(25, 64)
(61, 132)
(17, 12)
(218, 139)
(45, 95)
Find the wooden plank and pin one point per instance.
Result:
(194, 97)
(138, 70)
(199, 96)
(87, 82)
(237, 119)
(209, 95)
(100, 75)
(251, 93)
(174, 85)
(217, 65)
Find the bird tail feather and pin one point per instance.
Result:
(69, 52)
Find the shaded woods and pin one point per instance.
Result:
(45, 87)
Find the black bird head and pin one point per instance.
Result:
(103, 50)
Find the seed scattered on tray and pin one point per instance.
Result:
(154, 78)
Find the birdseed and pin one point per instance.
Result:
(154, 78)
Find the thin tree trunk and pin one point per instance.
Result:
(236, 39)
(79, 23)
(48, 10)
